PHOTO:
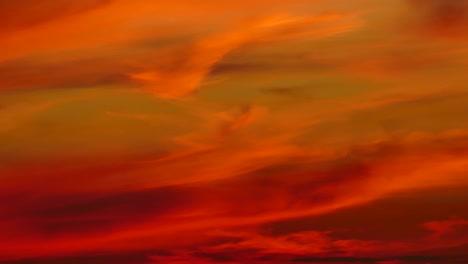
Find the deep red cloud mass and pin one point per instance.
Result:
(445, 18)
(303, 131)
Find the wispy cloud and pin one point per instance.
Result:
(262, 131)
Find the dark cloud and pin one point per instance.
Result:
(26, 73)
(103, 258)
(58, 216)
(301, 64)
(441, 17)
(282, 90)
(223, 68)
(400, 259)
(228, 257)
(23, 14)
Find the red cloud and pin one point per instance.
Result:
(443, 18)
(132, 178)
(442, 228)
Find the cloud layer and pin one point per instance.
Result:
(242, 132)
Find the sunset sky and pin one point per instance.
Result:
(236, 132)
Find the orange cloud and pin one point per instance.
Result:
(186, 68)
(360, 176)
(258, 131)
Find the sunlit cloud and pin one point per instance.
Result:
(235, 132)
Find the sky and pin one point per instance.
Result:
(236, 132)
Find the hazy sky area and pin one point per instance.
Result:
(235, 132)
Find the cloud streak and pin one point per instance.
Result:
(237, 132)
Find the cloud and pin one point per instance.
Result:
(14, 115)
(186, 68)
(21, 15)
(246, 115)
(442, 228)
(247, 176)
(249, 196)
(443, 18)
(109, 51)
(303, 247)
(65, 73)
(199, 177)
